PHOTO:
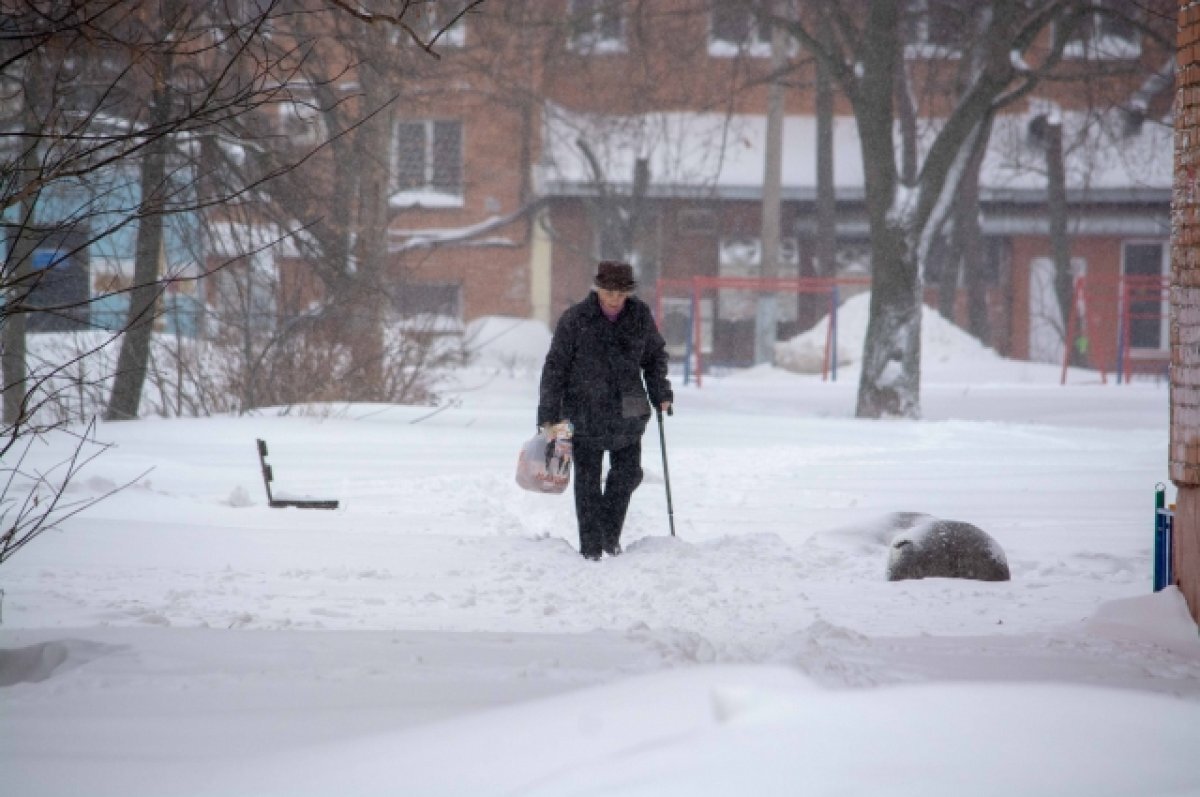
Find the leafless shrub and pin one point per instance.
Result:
(43, 502)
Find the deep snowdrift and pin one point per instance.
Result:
(440, 634)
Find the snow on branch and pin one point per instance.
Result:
(469, 235)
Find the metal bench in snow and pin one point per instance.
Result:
(279, 503)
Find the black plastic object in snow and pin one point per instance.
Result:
(278, 503)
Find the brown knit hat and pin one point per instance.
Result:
(612, 275)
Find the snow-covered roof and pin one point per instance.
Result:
(1103, 156)
(712, 154)
(688, 152)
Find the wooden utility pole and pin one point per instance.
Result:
(766, 317)
(826, 210)
(1056, 200)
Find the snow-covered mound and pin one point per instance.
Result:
(506, 343)
(941, 340)
(1160, 618)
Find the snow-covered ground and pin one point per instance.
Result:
(439, 633)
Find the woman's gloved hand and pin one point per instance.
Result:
(558, 442)
(563, 430)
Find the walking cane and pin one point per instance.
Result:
(662, 442)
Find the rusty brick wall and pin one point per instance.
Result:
(1185, 307)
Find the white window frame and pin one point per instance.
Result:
(1100, 46)
(594, 40)
(427, 194)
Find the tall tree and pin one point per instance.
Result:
(111, 100)
(154, 187)
(766, 316)
(905, 212)
(109, 113)
(826, 202)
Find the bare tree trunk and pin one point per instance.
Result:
(134, 358)
(1060, 243)
(13, 316)
(766, 317)
(616, 220)
(826, 209)
(964, 260)
(967, 225)
(825, 243)
(906, 108)
(889, 384)
(14, 338)
(631, 230)
(19, 263)
(645, 249)
(367, 308)
(979, 322)
(945, 257)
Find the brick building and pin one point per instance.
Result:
(705, 218)
(561, 114)
(1185, 309)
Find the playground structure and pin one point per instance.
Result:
(697, 287)
(1115, 324)
(1140, 340)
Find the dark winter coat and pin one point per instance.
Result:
(594, 370)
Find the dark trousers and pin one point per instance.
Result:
(601, 513)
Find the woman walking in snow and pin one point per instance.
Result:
(603, 348)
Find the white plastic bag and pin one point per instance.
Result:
(544, 464)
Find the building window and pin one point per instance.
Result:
(938, 28)
(246, 296)
(427, 162)
(430, 299)
(1144, 265)
(299, 121)
(734, 29)
(597, 26)
(742, 257)
(60, 283)
(1102, 35)
(697, 221)
(679, 325)
(432, 17)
